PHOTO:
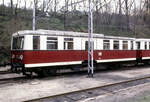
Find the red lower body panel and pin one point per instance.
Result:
(70, 56)
(145, 54)
(33, 57)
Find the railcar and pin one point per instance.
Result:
(45, 51)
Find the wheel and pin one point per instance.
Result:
(46, 72)
(40, 73)
(114, 66)
(52, 71)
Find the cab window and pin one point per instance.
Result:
(18, 42)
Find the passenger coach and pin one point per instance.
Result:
(45, 51)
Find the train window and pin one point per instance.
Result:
(52, 43)
(116, 45)
(131, 45)
(68, 43)
(125, 45)
(138, 45)
(106, 45)
(18, 43)
(149, 45)
(36, 42)
(86, 45)
(145, 45)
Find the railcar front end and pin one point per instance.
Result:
(17, 54)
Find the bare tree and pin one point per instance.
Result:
(55, 6)
(97, 16)
(65, 14)
(120, 15)
(147, 15)
(127, 14)
(16, 7)
(3, 3)
(11, 6)
(147, 4)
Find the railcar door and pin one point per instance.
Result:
(138, 52)
(86, 48)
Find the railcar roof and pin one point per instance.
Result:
(142, 39)
(55, 33)
(65, 33)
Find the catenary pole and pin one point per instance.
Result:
(90, 37)
(90, 41)
(33, 21)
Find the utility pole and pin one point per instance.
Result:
(90, 41)
(33, 21)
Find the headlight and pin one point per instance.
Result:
(13, 56)
(21, 57)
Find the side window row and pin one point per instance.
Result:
(146, 45)
(106, 45)
(125, 45)
(52, 43)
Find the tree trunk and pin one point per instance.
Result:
(65, 14)
(11, 6)
(127, 15)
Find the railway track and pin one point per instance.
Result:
(78, 95)
(5, 72)
(11, 80)
(66, 74)
(15, 79)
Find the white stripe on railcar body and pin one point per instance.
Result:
(116, 60)
(53, 64)
(145, 57)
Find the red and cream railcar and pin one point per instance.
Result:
(47, 50)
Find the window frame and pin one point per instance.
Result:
(115, 44)
(131, 45)
(67, 41)
(52, 41)
(108, 47)
(38, 42)
(87, 45)
(125, 42)
(138, 47)
(145, 45)
(21, 42)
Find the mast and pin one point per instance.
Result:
(90, 41)
(33, 21)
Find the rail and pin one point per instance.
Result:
(90, 89)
